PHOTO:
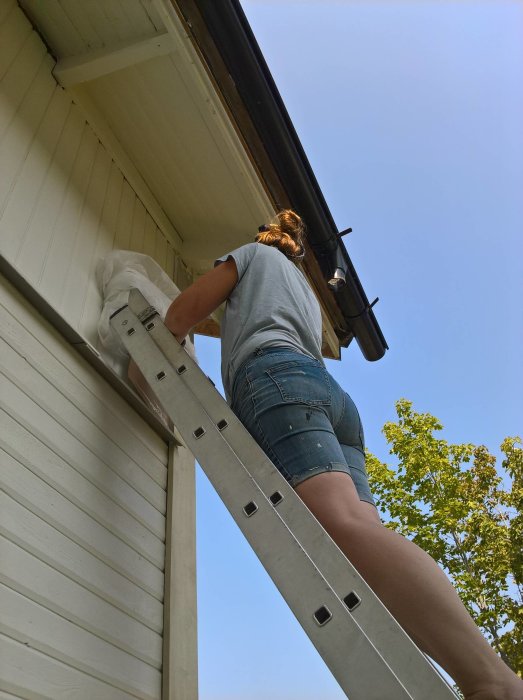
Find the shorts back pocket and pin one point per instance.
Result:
(302, 382)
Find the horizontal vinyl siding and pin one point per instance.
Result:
(47, 678)
(36, 580)
(64, 203)
(33, 624)
(82, 524)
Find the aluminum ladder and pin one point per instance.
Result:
(369, 654)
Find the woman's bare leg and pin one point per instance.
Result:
(413, 588)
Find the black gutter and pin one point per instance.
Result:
(230, 30)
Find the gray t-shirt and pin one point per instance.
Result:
(272, 305)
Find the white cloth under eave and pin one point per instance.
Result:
(116, 274)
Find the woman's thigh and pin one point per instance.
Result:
(334, 500)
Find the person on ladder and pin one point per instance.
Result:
(276, 382)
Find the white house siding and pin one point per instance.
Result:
(82, 523)
(63, 202)
(83, 477)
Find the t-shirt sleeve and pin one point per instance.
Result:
(242, 257)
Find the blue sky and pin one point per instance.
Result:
(410, 114)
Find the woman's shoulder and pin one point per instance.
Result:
(271, 252)
(258, 255)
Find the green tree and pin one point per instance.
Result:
(451, 500)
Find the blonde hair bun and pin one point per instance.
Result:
(286, 232)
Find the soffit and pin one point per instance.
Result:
(163, 112)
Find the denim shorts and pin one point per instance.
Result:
(300, 417)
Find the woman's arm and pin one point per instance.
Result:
(193, 305)
(199, 300)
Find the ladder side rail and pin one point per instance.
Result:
(418, 674)
(396, 648)
(344, 646)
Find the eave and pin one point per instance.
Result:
(224, 39)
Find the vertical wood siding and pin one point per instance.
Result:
(63, 202)
(83, 478)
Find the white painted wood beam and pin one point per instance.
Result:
(180, 640)
(95, 64)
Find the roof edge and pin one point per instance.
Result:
(249, 76)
